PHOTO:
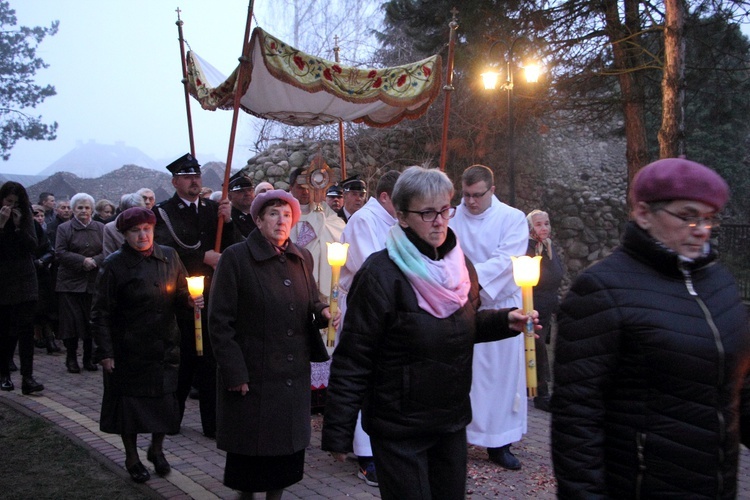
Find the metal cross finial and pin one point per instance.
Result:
(454, 11)
(178, 13)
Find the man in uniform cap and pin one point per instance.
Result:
(355, 195)
(188, 223)
(335, 197)
(241, 195)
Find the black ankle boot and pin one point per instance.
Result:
(29, 385)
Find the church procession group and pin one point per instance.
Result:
(651, 360)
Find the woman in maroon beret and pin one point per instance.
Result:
(652, 395)
(137, 292)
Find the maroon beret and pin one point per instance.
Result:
(133, 217)
(679, 179)
(275, 194)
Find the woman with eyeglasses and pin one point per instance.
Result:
(651, 392)
(405, 351)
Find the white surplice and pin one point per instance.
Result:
(498, 388)
(365, 232)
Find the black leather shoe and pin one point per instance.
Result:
(504, 458)
(89, 366)
(138, 472)
(6, 384)
(29, 385)
(161, 466)
(72, 365)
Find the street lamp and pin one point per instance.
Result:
(490, 79)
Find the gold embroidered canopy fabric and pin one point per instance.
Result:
(295, 88)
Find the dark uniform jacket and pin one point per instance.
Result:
(409, 371)
(264, 316)
(133, 319)
(651, 358)
(243, 222)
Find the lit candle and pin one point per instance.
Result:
(336, 258)
(195, 287)
(526, 275)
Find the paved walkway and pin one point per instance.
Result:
(72, 402)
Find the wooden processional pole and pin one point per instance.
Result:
(238, 90)
(342, 141)
(179, 24)
(448, 88)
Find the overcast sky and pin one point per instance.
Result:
(116, 68)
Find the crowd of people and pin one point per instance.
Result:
(648, 391)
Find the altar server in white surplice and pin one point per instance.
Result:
(490, 232)
(366, 232)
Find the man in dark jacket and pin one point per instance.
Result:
(652, 355)
(241, 195)
(188, 223)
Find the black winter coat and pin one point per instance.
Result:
(133, 319)
(651, 358)
(409, 371)
(264, 315)
(17, 272)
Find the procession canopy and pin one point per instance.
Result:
(295, 88)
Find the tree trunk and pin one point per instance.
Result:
(624, 38)
(672, 132)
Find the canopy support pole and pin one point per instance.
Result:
(342, 140)
(448, 88)
(241, 77)
(179, 24)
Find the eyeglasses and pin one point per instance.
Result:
(693, 221)
(476, 196)
(431, 215)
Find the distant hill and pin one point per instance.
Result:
(91, 159)
(127, 179)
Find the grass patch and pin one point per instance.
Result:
(42, 463)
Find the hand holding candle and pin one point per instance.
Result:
(526, 275)
(195, 287)
(336, 258)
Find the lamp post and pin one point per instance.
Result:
(490, 79)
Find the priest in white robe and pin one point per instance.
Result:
(490, 232)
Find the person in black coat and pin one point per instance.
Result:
(20, 291)
(546, 300)
(189, 224)
(651, 395)
(138, 290)
(264, 319)
(405, 352)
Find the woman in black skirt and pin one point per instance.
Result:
(138, 342)
(264, 316)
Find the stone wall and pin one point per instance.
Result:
(575, 174)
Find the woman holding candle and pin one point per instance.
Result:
(652, 396)
(264, 321)
(546, 300)
(138, 342)
(405, 352)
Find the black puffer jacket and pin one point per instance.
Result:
(650, 362)
(133, 319)
(408, 370)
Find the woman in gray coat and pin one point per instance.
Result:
(78, 250)
(264, 316)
